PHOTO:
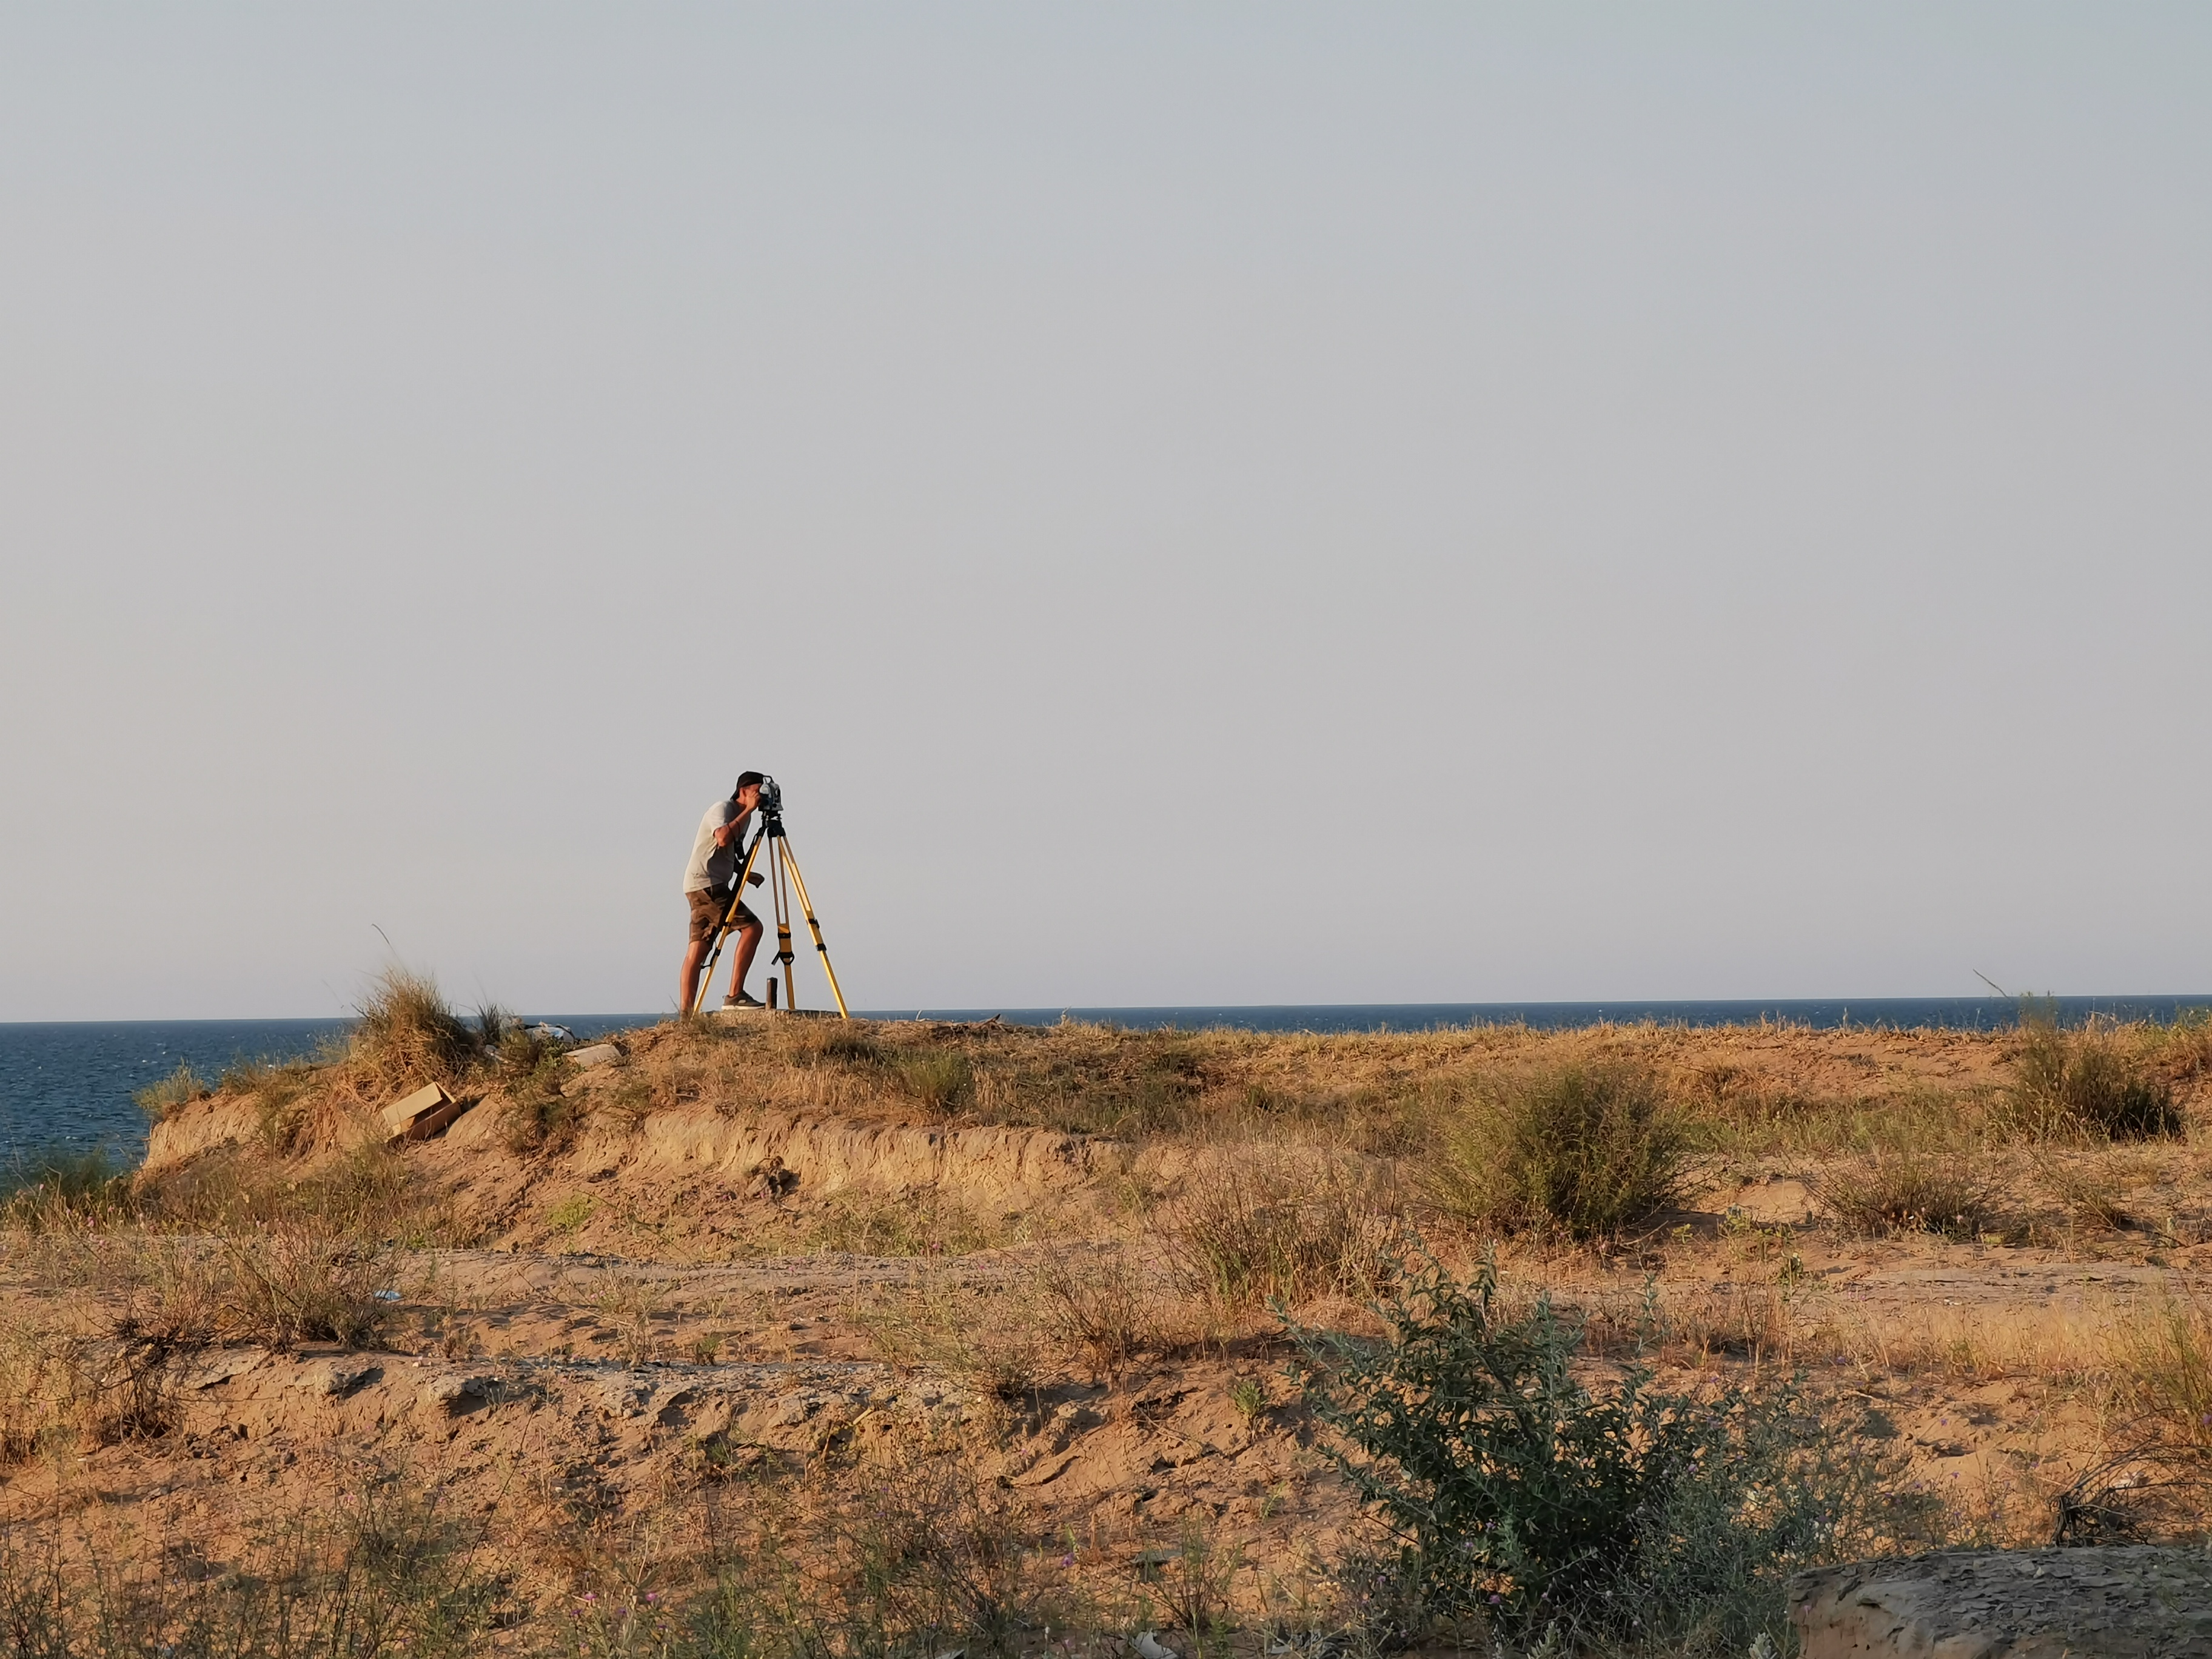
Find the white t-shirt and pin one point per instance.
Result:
(713, 866)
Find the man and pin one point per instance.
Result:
(708, 882)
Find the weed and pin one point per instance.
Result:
(1586, 1147)
(538, 1115)
(2165, 1368)
(2085, 1083)
(922, 1224)
(1258, 1231)
(1195, 1584)
(2087, 1190)
(938, 1321)
(1908, 1192)
(380, 1575)
(939, 1081)
(407, 1037)
(1523, 1498)
(1247, 1398)
(180, 1088)
(570, 1213)
(1098, 1304)
(60, 1186)
(294, 1282)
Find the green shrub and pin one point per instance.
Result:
(1585, 1147)
(533, 1065)
(2086, 1084)
(180, 1088)
(1523, 1500)
(939, 1081)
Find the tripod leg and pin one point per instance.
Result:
(778, 859)
(722, 933)
(806, 905)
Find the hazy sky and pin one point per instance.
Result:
(1195, 502)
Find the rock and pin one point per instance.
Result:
(224, 1365)
(770, 1179)
(599, 1053)
(455, 1393)
(794, 1408)
(2130, 1603)
(334, 1377)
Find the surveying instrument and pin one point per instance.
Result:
(784, 880)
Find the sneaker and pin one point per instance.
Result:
(743, 1000)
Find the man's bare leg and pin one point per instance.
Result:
(748, 939)
(694, 954)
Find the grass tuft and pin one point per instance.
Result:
(180, 1088)
(407, 1037)
(1586, 1148)
(1895, 1192)
(1262, 1230)
(2088, 1084)
(939, 1081)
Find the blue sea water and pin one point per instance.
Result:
(1945, 1013)
(71, 1084)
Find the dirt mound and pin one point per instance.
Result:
(2111, 1603)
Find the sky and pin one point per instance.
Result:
(1196, 503)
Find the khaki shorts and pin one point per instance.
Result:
(708, 909)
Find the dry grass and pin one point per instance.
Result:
(987, 1335)
(1280, 1226)
(1098, 1306)
(2165, 1365)
(1585, 1147)
(180, 1088)
(1908, 1191)
(2093, 1083)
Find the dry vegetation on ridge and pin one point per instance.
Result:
(789, 1335)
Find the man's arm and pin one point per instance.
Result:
(734, 829)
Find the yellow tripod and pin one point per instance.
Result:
(782, 869)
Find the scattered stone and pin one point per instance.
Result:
(770, 1179)
(455, 1393)
(2129, 1602)
(335, 1378)
(599, 1053)
(225, 1364)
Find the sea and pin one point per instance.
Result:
(68, 1086)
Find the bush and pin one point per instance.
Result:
(939, 1081)
(180, 1088)
(1585, 1147)
(1910, 1192)
(1098, 1304)
(1521, 1499)
(1257, 1232)
(57, 1184)
(407, 1037)
(295, 1282)
(2086, 1084)
(2165, 1369)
